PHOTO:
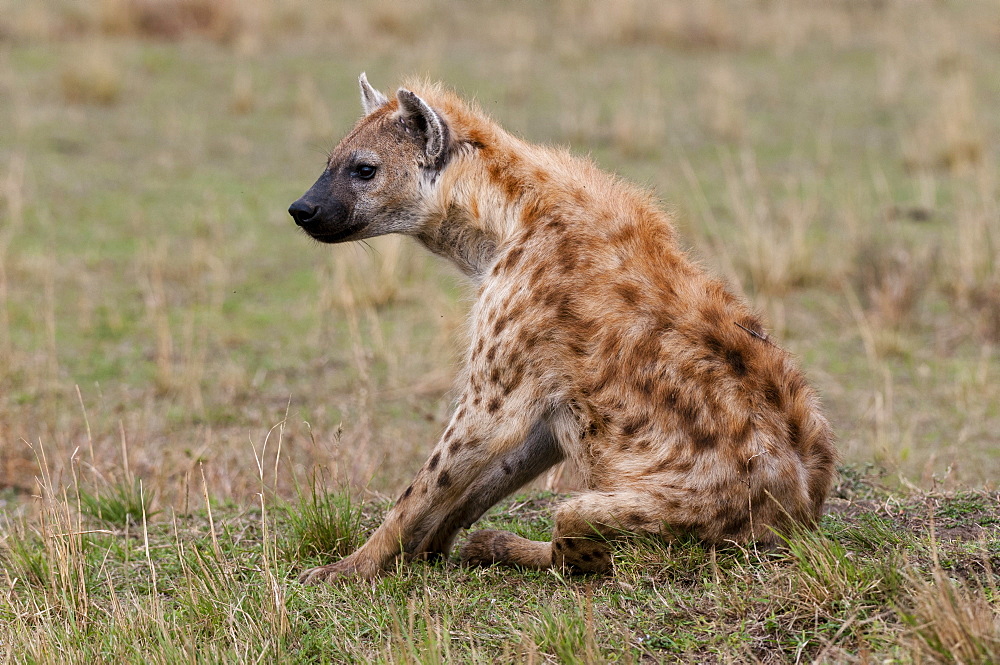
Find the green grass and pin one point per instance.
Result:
(219, 584)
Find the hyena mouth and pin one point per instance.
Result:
(335, 236)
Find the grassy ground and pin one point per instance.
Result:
(162, 324)
(889, 578)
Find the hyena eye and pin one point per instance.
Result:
(364, 171)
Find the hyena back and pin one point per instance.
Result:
(593, 339)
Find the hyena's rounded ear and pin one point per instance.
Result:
(420, 114)
(371, 99)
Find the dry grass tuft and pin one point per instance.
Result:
(723, 104)
(953, 621)
(776, 251)
(219, 20)
(92, 78)
(893, 278)
(949, 135)
(242, 100)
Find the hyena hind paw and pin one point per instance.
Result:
(489, 547)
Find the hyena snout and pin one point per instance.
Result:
(303, 212)
(325, 218)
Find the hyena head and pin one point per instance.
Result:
(378, 176)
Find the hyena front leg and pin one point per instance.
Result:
(505, 474)
(481, 458)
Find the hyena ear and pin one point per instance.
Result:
(371, 99)
(419, 113)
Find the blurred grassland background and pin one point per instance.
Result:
(161, 318)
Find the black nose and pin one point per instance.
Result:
(302, 212)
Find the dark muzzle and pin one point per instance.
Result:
(302, 212)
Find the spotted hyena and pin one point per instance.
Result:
(594, 339)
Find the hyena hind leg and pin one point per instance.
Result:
(584, 525)
(574, 554)
(488, 547)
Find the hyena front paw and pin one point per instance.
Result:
(334, 572)
(488, 547)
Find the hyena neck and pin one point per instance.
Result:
(473, 216)
(455, 236)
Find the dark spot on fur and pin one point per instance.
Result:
(506, 468)
(671, 398)
(687, 409)
(585, 557)
(701, 440)
(494, 405)
(736, 361)
(406, 493)
(559, 544)
(537, 274)
(433, 462)
(772, 393)
(566, 311)
(500, 324)
(635, 519)
(633, 426)
(551, 298)
(629, 293)
(570, 543)
(680, 466)
(491, 354)
(624, 234)
(444, 480)
(795, 435)
(714, 344)
(509, 261)
(567, 260)
(454, 447)
(514, 378)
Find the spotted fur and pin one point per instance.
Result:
(594, 339)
